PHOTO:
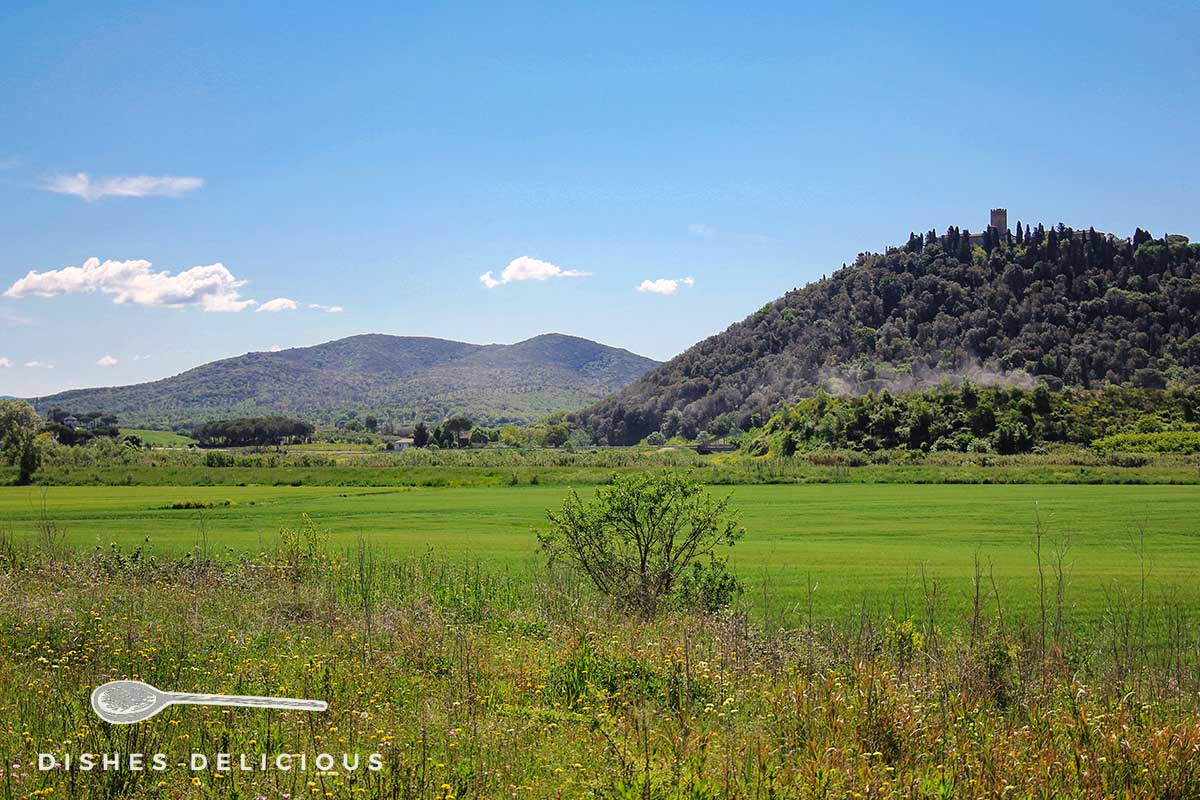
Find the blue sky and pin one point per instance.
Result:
(381, 158)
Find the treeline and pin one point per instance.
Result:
(460, 431)
(253, 431)
(457, 431)
(1061, 306)
(1005, 420)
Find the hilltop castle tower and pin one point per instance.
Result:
(999, 221)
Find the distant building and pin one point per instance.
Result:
(70, 422)
(402, 444)
(998, 223)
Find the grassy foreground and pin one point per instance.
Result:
(824, 549)
(473, 684)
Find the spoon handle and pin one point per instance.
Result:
(246, 700)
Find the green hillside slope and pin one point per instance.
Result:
(399, 378)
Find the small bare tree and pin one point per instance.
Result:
(638, 535)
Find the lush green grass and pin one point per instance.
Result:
(380, 470)
(159, 438)
(856, 543)
(466, 684)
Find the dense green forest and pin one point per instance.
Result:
(1003, 420)
(1056, 306)
(395, 379)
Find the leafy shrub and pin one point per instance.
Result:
(1161, 442)
(639, 534)
(709, 587)
(189, 505)
(215, 458)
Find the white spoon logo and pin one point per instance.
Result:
(126, 702)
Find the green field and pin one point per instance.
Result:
(857, 543)
(159, 438)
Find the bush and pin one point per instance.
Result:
(637, 536)
(709, 587)
(1163, 442)
(215, 458)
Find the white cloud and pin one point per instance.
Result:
(5, 363)
(274, 348)
(665, 285)
(83, 185)
(278, 304)
(327, 309)
(106, 361)
(142, 357)
(212, 287)
(529, 269)
(39, 365)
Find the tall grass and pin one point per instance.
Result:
(108, 463)
(478, 682)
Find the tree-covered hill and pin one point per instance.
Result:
(401, 379)
(999, 419)
(1064, 307)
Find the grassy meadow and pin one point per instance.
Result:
(900, 635)
(831, 548)
(469, 682)
(156, 438)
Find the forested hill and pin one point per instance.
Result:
(1065, 307)
(399, 379)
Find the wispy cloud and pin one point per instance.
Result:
(212, 287)
(39, 365)
(701, 230)
(5, 363)
(529, 269)
(142, 357)
(274, 348)
(83, 185)
(276, 305)
(665, 285)
(10, 319)
(107, 361)
(327, 309)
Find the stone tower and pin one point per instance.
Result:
(999, 221)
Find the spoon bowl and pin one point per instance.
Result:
(126, 702)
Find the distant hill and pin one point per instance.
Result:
(1063, 307)
(401, 379)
